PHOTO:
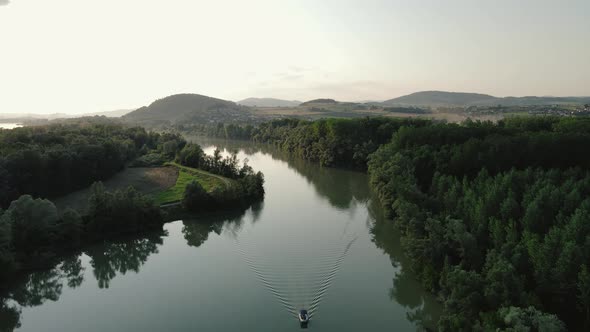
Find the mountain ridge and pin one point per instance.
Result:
(268, 102)
(446, 98)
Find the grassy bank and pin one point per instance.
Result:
(185, 176)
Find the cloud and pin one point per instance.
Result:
(4, 2)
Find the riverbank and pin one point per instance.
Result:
(309, 215)
(34, 232)
(475, 204)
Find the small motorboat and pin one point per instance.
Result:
(303, 317)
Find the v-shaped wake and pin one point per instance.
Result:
(298, 274)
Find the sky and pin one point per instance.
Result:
(78, 56)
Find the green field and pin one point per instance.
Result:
(185, 176)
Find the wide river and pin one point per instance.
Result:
(318, 241)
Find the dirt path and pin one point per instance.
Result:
(145, 180)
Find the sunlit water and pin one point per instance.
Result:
(9, 125)
(317, 241)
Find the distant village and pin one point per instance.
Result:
(566, 110)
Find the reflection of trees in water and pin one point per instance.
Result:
(107, 259)
(340, 187)
(256, 210)
(423, 310)
(122, 256)
(36, 288)
(9, 316)
(196, 231)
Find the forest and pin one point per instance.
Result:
(33, 234)
(493, 216)
(330, 142)
(52, 160)
(38, 163)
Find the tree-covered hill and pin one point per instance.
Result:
(319, 101)
(440, 98)
(183, 108)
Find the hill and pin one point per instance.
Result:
(268, 102)
(184, 108)
(441, 98)
(319, 101)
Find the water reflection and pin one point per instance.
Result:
(9, 316)
(196, 230)
(107, 259)
(340, 187)
(343, 190)
(122, 256)
(423, 309)
(36, 288)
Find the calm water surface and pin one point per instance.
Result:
(317, 241)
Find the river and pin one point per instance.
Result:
(318, 241)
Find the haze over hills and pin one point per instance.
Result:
(183, 108)
(268, 102)
(444, 98)
(195, 108)
(110, 114)
(53, 116)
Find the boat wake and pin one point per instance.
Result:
(298, 274)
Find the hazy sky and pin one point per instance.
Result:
(79, 56)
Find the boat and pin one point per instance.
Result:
(303, 317)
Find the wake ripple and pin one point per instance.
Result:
(298, 275)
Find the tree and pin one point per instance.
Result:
(584, 294)
(529, 319)
(32, 222)
(195, 197)
(191, 155)
(122, 211)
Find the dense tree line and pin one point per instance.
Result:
(494, 218)
(32, 233)
(219, 130)
(247, 187)
(331, 142)
(52, 160)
